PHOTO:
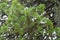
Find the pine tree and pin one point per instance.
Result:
(24, 23)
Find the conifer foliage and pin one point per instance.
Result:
(23, 22)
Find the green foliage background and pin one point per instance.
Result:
(21, 19)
